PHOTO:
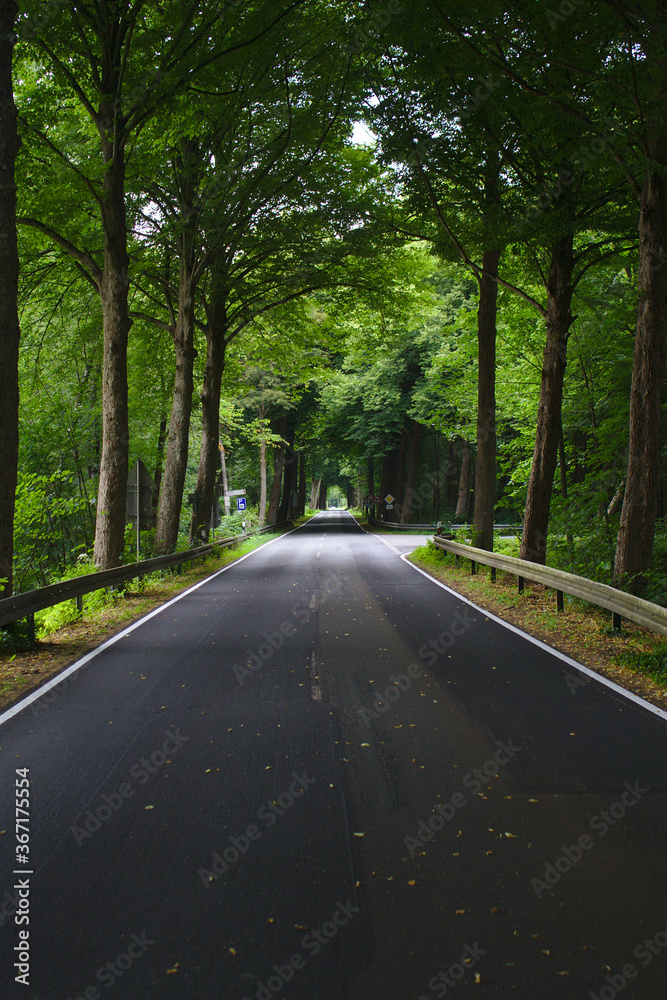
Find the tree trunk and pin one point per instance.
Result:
(285, 510)
(371, 476)
(302, 484)
(322, 498)
(262, 483)
(562, 463)
(225, 480)
(412, 471)
(176, 463)
(114, 285)
(464, 483)
(634, 547)
(485, 467)
(616, 502)
(159, 460)
(9, 322)
(398, 488)
(315, 492)
(209, 456)
(171, 492)
(540, 483)
(278, 466)
(274, 502)
(387, 482)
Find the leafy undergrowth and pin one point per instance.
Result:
(64, 635)
(635, 658)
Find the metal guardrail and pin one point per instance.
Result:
(447, 528)
(622, 605)
(25, 605)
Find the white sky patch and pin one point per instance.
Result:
(362, 136)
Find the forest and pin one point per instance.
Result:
(327, 252)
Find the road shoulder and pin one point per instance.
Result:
(582, 634)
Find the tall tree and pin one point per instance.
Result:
(645, 30)
(121, 62)
(9, 320)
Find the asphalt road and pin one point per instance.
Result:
(320, 775)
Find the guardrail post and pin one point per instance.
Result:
(472, 567)
(493, 574)
(31, 628)
(559, 601)
(79, 603)
(520, 581)
(456, 560)
(616, 621)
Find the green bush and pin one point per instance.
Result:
(51, 619)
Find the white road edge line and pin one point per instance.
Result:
(542, 645)
(60, 677)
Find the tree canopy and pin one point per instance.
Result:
(363, 247)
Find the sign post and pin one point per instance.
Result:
(139, 500)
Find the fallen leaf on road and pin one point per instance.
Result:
(170, 972)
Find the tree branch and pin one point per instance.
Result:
(82, 257)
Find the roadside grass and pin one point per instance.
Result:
(298, 521)
(634, 658)
(63, 635)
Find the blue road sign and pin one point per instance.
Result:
(241, 503)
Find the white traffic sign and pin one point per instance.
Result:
(235, 493)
